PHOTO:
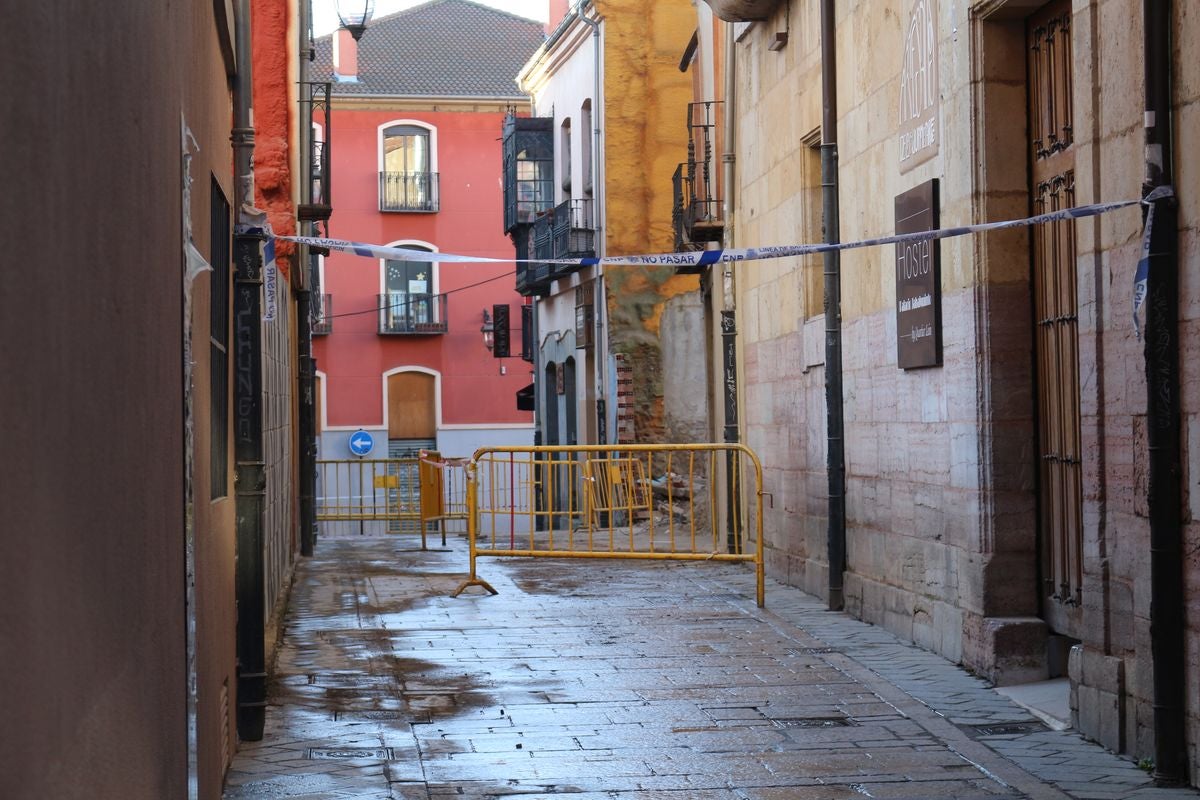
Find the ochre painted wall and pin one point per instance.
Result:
(645, 137)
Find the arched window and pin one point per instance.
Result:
(408, 167)
(564, 161)
(585, 145)
(409, 302)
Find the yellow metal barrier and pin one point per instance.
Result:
(666, 502)
(363, 496)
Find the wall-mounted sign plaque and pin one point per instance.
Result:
(919, 131)
(918, 280)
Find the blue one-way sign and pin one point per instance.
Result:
(361, 443)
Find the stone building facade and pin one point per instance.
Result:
(998, 495)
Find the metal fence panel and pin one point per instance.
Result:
(679, 502)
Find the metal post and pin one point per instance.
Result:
(732, 490)
(306, 436)
(250, 481)
(835, 428)
(250, 475)
(1163, 410)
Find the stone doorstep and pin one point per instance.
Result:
(1049, 700)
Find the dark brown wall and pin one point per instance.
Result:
(92, 678)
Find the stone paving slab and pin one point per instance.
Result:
(618, 680)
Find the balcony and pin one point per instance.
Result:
(322, 324)
(566, 231)
(697, 209)
(409, 313)
(408, 191)
(573, 234)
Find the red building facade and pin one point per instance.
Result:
(415, 164)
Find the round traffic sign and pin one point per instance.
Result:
(361, 443)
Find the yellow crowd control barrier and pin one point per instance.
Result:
(666, 502)
(369, 496)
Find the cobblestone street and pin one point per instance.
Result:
(605, 679)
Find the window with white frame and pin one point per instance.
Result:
(408, 178)
(409, 302)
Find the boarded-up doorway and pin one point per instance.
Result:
(412, 409)
(412, 427)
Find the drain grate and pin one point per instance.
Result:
(813, 651)
(814, 722)
(1004, 729)
(365, 715)
(348, 680)
(359, 753)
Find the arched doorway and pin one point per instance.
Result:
(412, 427)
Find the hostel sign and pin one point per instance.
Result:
(919, 132)
(918, 280)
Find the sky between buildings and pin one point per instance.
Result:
(325, 11)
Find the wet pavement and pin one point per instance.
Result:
(622, 679)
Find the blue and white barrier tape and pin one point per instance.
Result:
(701, 258)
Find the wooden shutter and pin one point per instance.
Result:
(411, 410)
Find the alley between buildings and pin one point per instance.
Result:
(606, 679)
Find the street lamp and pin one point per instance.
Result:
(354, 15)
(489, 331)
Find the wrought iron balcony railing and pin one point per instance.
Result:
(528, 282)
(678, 192)
(573, 234)
(542, 246)
(408, 191)
(565, 231)
(409, 313)
(697, 209)
(323, 323)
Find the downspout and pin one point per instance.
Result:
(250, 475)
(729, 299)
(600, 299)
(835, 463)
(1162, 413)
(307, 422)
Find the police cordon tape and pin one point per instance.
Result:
(702, 258)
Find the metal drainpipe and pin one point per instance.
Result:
(1162, 414)
(599, 300)
(250, 475)
(306, 417)
(307, 420)
(835, 464)
(729, 300)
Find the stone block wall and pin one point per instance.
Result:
(941, 463)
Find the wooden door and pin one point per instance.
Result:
(1052, 171)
